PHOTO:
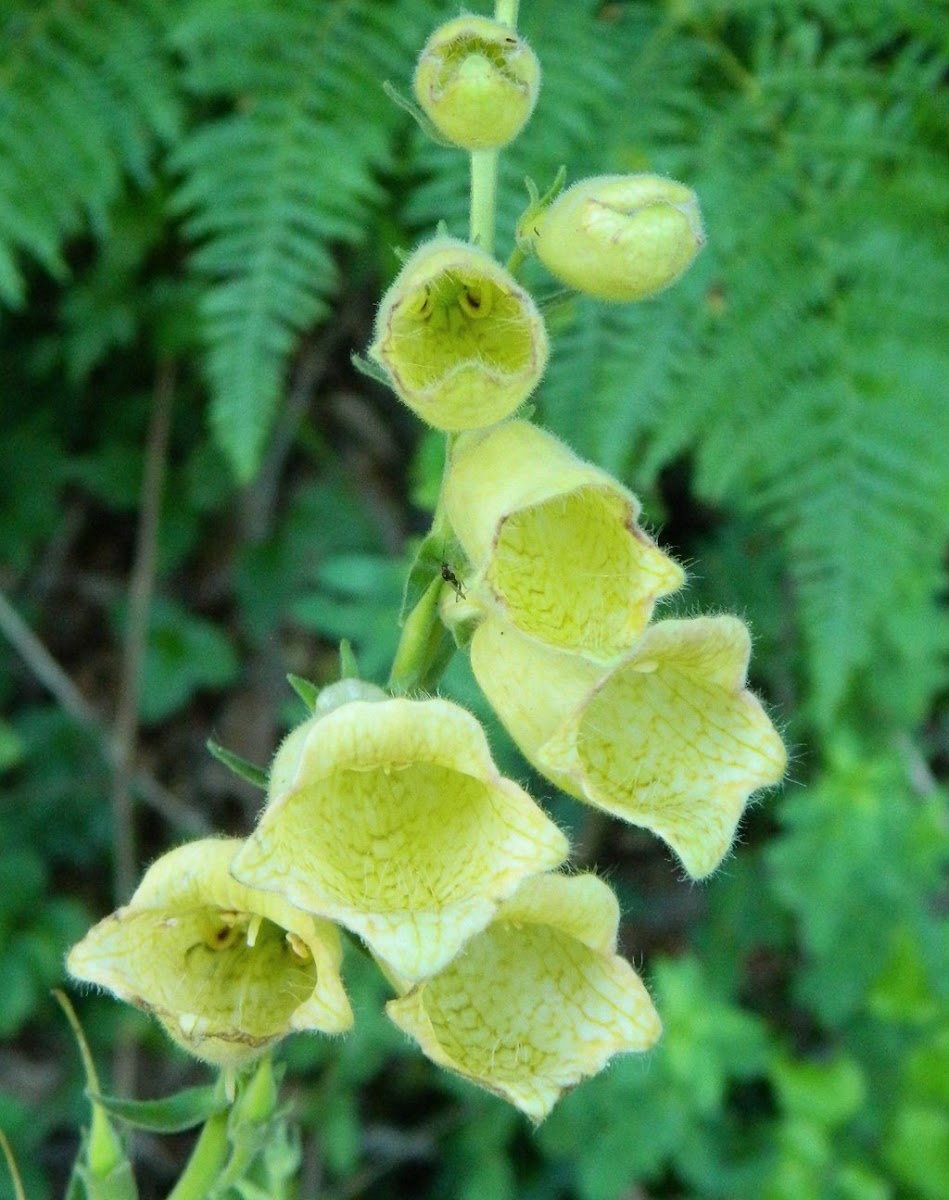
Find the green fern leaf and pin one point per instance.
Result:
(86, 95)
(274, 186)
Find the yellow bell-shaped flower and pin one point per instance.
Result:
(477, 82)
(391, 818)
(462, 343)
(554, 542)
(619, 237)
(668, 738)
(226, 969)
(539, 1000)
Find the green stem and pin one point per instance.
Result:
(207, 1158)
(506, 11)
(484, 189)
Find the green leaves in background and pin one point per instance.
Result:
(224, 182)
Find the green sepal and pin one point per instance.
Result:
(12, 1167)
(101, 1164)
(118, 1184)
(75, 1188)
(348, 666)
(239, 766)
(417, 115)
(535, 206)
(365, 366)
(436, 551)
(425, 647)
(308, 692)
(253, 1123)
(441, 651)
(172, 1114)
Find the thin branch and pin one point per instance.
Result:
(141, 587)
(45, 668)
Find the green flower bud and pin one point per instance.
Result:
(461, 341)
(620, 237)
(477, 82)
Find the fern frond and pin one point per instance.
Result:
(86, 94)
(271, 188)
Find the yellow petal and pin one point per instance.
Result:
(462, 342)
(555, 541)
(532, 687)
(672, 740)
(531, 1008)
(394, 821)
(226, 969)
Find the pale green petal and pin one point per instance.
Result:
(672, 739)
(462, 342)
(554, 541)
(396, 823)
(227, 970)
(530, 1009)
(532, 687)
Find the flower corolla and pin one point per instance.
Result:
(226, 969)
(390, 817)
(669, 737)
(554, 541)
(462, 343)
(538, 1000)
(477, 82)
(619, 237)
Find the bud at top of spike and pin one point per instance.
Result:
(620, 237)
(477, 82)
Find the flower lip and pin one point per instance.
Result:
(539, 999)
(672, 739)
(462, 342)
(226, 970)
(392, 819)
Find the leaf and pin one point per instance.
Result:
(171, 1114)
(98, 82)
(288, 172)
(241, 767)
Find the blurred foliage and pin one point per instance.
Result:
(221, 185)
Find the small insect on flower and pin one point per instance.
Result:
(453, 581)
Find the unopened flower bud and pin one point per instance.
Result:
(462, 342)
(620, 237)
(477, 82)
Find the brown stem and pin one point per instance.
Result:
(141, 586)
(48, 671)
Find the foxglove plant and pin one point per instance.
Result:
(386, 816)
